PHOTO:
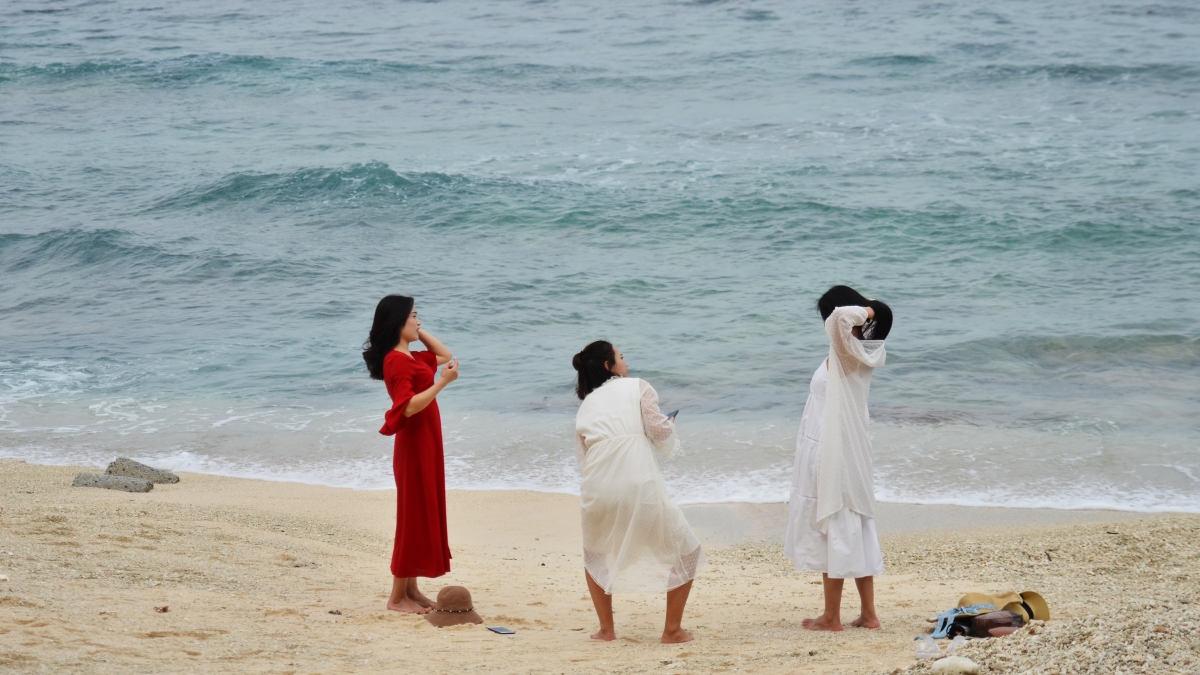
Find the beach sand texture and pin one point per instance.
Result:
(251, 572)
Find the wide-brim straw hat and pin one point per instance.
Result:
(1030, 605)
(1038, 608)
(454, 608)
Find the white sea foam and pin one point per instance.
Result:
(722, 460)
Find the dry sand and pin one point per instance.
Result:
(250, 572)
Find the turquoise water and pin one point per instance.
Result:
(201, 202)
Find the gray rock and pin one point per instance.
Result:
(123, 466)
(103, 480)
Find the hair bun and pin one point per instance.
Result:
(578, 362)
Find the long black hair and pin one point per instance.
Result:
(390, 316)
(844, 296)
(593, 365)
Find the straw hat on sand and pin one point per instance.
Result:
(453, 608)
(1030, 605)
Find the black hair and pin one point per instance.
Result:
(879, 327)
(593, 365)
(844, 296)
(390, 316)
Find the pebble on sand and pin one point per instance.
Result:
(955, 665)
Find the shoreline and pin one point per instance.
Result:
(762, 516)
(267, 577)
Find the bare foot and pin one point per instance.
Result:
(822, 623)
(606, 637)
(861, 622)
(421, 600)
(407, 606)
(676, 636)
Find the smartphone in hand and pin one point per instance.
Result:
(671, 415)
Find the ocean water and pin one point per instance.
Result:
(201, 202)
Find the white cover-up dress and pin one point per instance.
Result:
(635, 539)
(831, 511)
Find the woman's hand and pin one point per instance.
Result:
(449, 372)
(870, 313)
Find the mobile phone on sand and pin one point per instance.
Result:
(501, 630)
(671, 415)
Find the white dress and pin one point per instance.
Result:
(635, 539)
(843, 543)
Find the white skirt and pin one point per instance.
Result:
(849, 550)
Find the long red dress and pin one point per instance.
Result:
(422, 548)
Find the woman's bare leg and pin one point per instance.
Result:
(417, 596)
(603, 603)
(867, 618)
(399, 600)
(677, 599)
(832, 618)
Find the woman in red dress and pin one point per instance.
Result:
(421, 549)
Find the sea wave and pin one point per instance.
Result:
(370, 183)
(46, 255)
(200, 69)
(280, 73)
(1089, 73)
(1048, 354)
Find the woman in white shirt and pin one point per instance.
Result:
(635, 539)
(831, 512)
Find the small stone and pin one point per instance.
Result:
(102, 480)
(123, 466)
(955, 665)
(162, 609)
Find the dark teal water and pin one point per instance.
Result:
(201, 202)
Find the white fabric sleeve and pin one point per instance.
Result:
(658, 427)
(839, 326)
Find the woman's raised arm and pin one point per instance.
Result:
(435, 345)
(840, 329)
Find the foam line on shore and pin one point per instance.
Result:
(375, 474)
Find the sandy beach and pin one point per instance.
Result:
(268, 577)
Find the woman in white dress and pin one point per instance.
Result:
(635, 539)
(831, 512)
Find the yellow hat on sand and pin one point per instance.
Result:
(1030, 605)
(1017, 608)
(977, 599)
(1039, 610)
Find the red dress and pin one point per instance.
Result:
(422, 548)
